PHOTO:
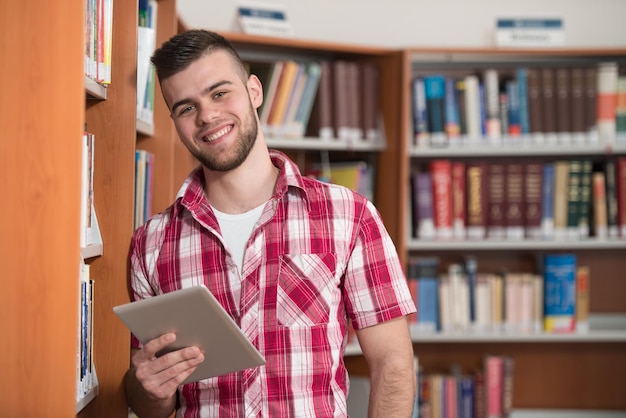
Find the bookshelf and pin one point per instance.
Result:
(547, 365)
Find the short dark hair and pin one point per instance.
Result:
(183, 49)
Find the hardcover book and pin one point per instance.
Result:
(533, 180)
(515, 201)
(548, 89)
(477, 203)
(423, 206)
(606, 100)
(441, 175)
(427, 273)
(496, 200)
(559, 274)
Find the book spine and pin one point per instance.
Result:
(423, 205)
(606, 100)
(477, 202)
(561, 181)
(428, 310)
(535, 105)
(591, 103)
(458, 200)
(577, 95)
(563, 105)
(600, 225)
(582, 299)
(434, 88)
(584, 219)
(521, 76)
(559, 292)
(496, 210)
(547, 201)
(492, 104)
(515, 201)
(548, 84)
(441, 172)
(620, 172)
(533, 178)
(610, 173)
(573, 199)
(472, 108)
(420, 113)
(452, 123)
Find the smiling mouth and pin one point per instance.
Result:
(218, 134)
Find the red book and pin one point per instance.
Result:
(458, 199)
(515, 201)
(620, 174)
(496, 200)
(533, 181)
(441, 172)
(494, 386)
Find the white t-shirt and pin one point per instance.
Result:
(236, 230)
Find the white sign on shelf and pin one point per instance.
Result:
(530, 32)
(258, 18)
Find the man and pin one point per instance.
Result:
(291, 259)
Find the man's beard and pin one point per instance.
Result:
(244, 143)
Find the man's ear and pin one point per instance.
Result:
(255, 90)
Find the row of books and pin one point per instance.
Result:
(465, 300)
(486, 392)
(355, 175)
(85, 370)
(326, 99)
(146, 77)
(517, 199)
(144, 173)
(86, 195)
(98, 40)
(538, 104)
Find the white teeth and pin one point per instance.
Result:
(218, 134)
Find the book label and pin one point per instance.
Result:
(523, 32)
(259, 18)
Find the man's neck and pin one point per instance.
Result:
(244, 188)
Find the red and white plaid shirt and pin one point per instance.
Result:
(318, 255)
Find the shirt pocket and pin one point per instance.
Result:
(307, 289)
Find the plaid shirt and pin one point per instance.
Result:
(318, 255)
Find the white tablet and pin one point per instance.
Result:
(199, 320)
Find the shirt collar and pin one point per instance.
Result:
(191, 193)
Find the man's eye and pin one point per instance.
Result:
(219, 94)
(187, 109)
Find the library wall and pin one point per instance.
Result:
(442, 23)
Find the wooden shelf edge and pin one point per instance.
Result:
(493, 244)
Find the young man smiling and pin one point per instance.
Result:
(291, 259)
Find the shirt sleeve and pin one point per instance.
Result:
(375, 283)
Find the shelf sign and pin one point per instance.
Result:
(530, 32)
(258, 18)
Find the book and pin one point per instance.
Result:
(270, 77)
(591, 103)
(423, 206)
(355, 101)
(533, 181)
(427, 272)
(301, 118)
(582, 299)
(578, 108)
(610, 176)
(573, 199)
(435, 92)
(559, 275)
(477, 199)
(441, 176)
(620, 108)
(472, 108)
(561, 182)
(370, 82)
(471, 271)
(548, 89)
(599, 225)
(514, 127)
(535, 104)
(563, 104)
(515, 200)
(547, 201)
(421, 131)
(285, 87)
(606, 100)
(494, 385)
(620, 173)
(496, 200)
(492, 104)
(452, 125)
(584, 213)
(341, 99)
(521, 76)
(323, 112)
(458, 200)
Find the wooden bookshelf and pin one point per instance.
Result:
(552, 371)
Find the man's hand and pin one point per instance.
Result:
(152, 381)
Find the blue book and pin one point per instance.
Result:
(428, 294)
(421, 129)
(466, 396)
(559, 275)
(452, 120)
(547, 201)
(435, 90)
(522, 87)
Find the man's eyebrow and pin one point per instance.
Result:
(204, 92)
